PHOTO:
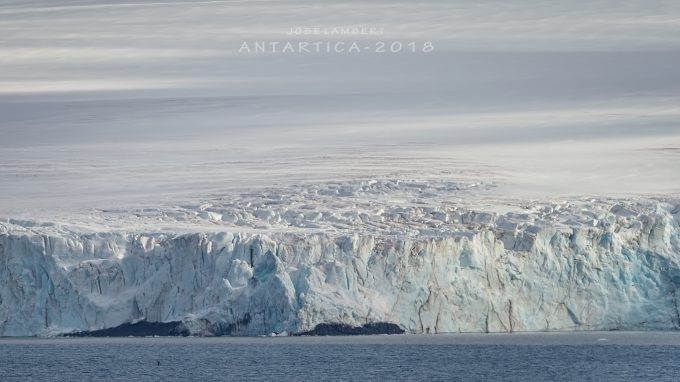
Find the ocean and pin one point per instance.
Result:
(583, 356)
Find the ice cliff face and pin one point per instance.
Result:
(614, 266)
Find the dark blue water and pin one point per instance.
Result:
(517, 357)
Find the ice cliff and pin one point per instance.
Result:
(385, 252)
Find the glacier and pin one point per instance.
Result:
(282, 261)
(520, 177)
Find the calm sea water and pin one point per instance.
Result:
(509, 357)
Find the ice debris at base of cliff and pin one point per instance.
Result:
(418, 255)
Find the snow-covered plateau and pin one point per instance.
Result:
(410, 253)
(520, 176)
